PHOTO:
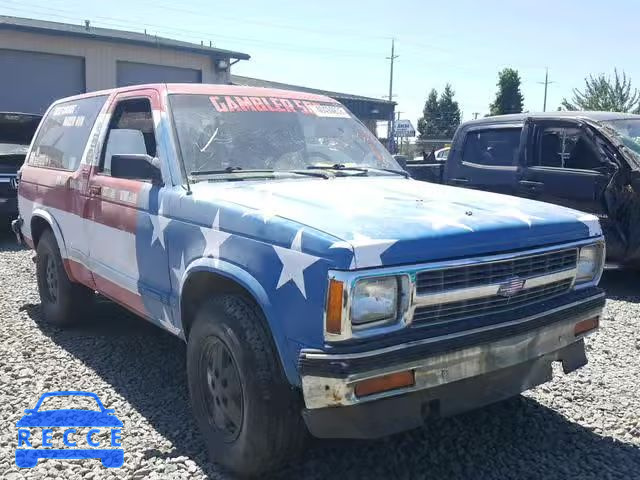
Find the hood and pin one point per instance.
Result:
(18, 128)
(69, 418)
(392, 221)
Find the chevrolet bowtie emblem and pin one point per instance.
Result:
(512, 286)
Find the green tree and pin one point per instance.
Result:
(509, 98)
(441, 115)
(449, 113)
(601, 93)
(427, 123)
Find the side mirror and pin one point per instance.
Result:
(136, 167)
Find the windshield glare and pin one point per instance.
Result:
(628, 131)
(280, 134)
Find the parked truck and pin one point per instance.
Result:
(16, 132)
(318, 288)
(589, 161)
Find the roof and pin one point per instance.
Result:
(208, 89)
(256, 82)
(111, 35)
(521, 117)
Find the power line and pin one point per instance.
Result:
(390, 124)
(200, 35)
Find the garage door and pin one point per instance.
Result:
(131, 73)
(31, 81)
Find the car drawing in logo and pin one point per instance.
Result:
(73, 422)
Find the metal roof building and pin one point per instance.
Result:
(41, 61)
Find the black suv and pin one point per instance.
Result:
(589, 161)
(16, 132)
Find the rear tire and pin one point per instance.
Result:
(63, 302)
(248, 413)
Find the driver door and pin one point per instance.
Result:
(565, 167)
(127, 246)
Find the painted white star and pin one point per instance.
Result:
(367, 251)
(438, 221)
(517, 214)
(213, 238)
(294, 263)
(266, 211)
(179, 271)
(593, 224)
(165, 322)
(158, 223)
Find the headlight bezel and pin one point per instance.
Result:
(368, 329)
(599, 251)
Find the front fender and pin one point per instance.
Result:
(40, 212)
(255, 289)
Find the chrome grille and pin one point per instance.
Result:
(495, 304)
(436, 281)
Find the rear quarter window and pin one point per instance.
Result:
(492, 147)
(64, 132)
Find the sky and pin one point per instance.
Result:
(343, 45)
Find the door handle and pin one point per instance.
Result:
(529, 186)
(95, 189)
(459, 181)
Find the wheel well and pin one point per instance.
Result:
(199, 287)
(38, 226)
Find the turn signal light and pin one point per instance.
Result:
(586, 325)
(334, 307)
(385, 383)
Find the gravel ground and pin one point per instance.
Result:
(583, 425)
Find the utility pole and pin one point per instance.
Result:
(546, 84)
(390, 123)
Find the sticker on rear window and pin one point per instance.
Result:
(64, 110)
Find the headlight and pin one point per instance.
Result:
(375, 300)
(589, 263)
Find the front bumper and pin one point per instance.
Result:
(8, 206)
(453, 373)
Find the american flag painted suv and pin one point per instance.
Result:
(317, 287)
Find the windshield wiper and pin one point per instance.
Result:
(236, 169)
(196, 173)
(310, 174)
(404, 173)
(337, 166)
(340, 166)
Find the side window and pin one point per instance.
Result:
(495, 148)
(565, 147)
(130, 132)
(64, 132)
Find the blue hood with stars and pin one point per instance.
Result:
(391, 221)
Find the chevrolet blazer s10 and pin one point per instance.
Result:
(317, 287)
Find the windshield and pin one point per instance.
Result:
(628, 131)
(281, 134)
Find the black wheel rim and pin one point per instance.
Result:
(223, 390)
(51, 279)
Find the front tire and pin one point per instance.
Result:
(63, 302)
(246, 410)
